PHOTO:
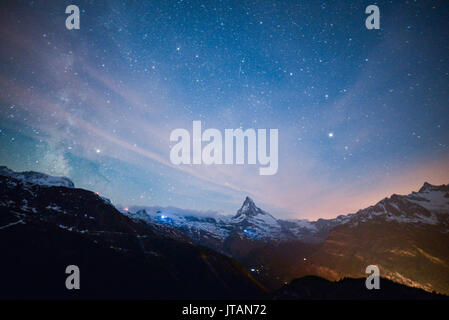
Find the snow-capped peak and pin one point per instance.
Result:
(37, 178)
(427, 187)
(429, 206)
(249, 209)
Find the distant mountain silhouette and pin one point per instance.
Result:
(316, 288)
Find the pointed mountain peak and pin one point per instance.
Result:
(249, 209)
(427, 187)
(248, 201)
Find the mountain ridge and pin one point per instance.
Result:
(317, 288)
(406, 235)
(37, 178)
(253, 222)
(401, 233)
(44, 228)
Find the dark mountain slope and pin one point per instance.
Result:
(43, 229)
(406, 236)
(414, 255)
(316, 288)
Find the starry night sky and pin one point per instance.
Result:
(361, 113)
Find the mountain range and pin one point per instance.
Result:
(46, 225)
(407, 236)
(161, 253)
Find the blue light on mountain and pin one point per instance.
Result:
(250, 233)
(165, 219)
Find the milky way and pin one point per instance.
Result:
(361, 113)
